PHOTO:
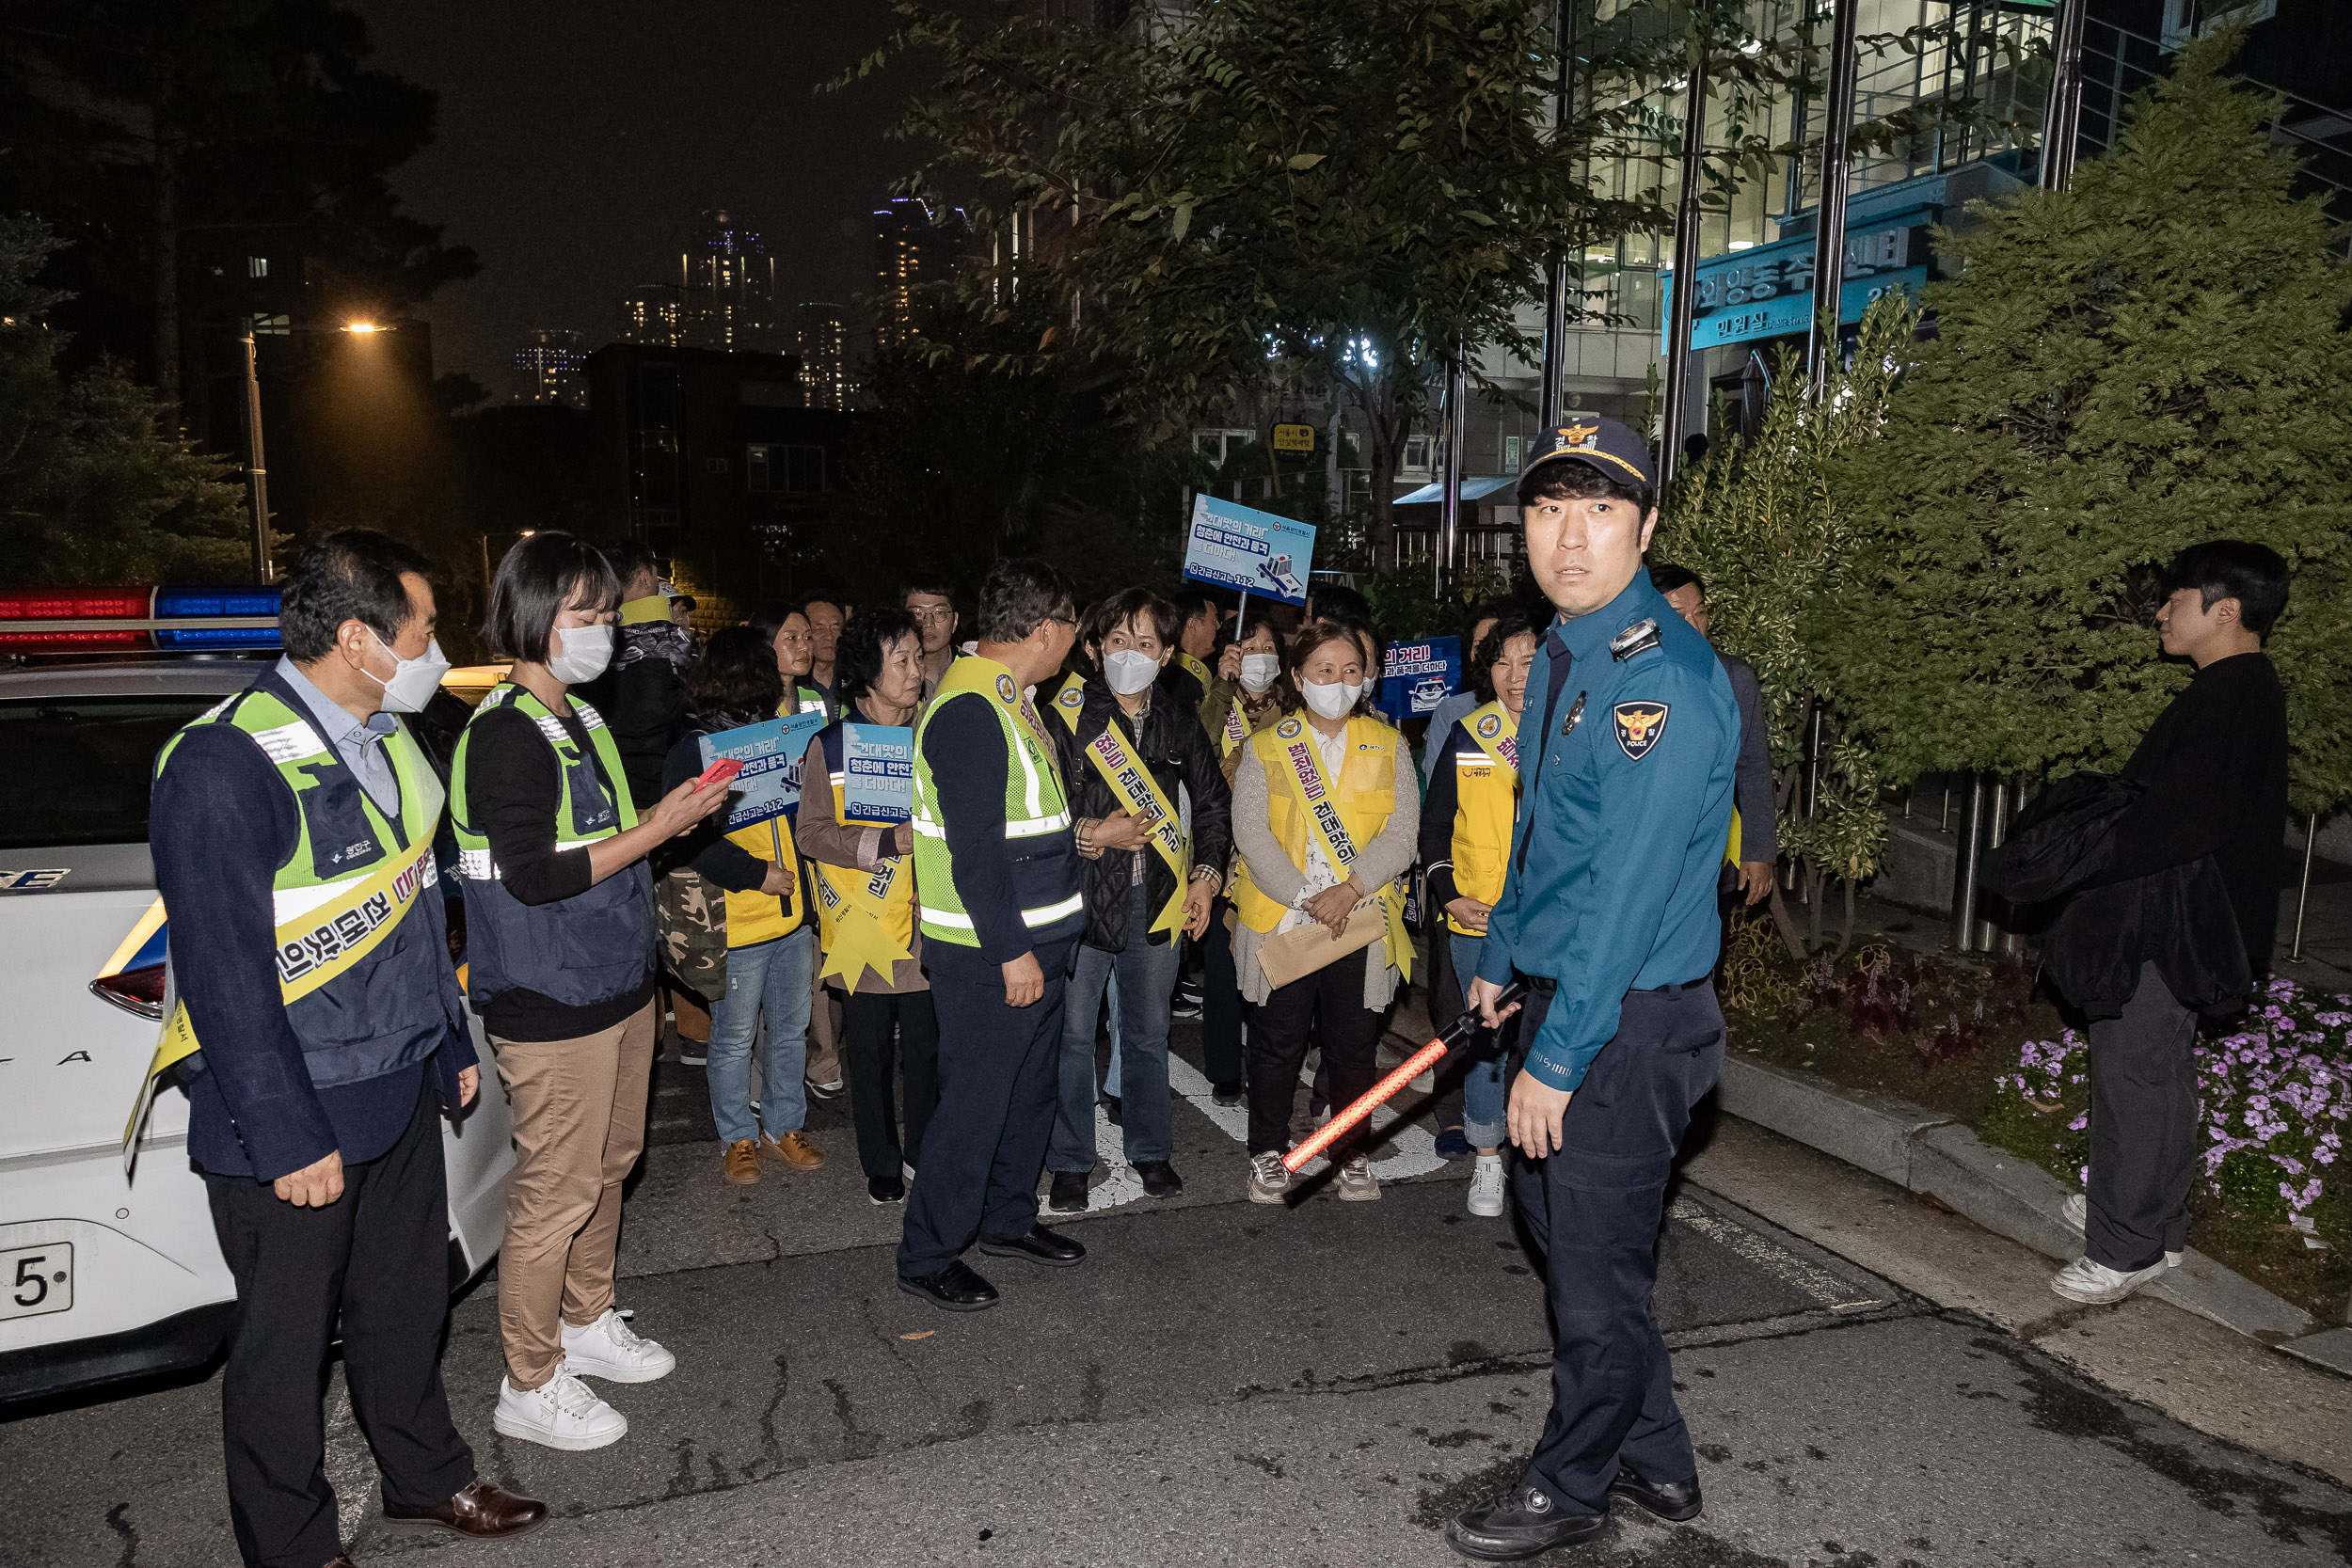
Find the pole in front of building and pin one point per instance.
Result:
(257, 473)
(1684, 307)
(1450, 521)
(1554, 401)
(1964, 865)
(2303, 890)
(2061, 119)
(1829, 222)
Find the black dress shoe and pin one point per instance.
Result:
(1521, 1523)
(1039, 1245)
(1676, 1500)
(1068, 1195)
(1226, 1094)
(1159, 1179)
(958, 1288)
(885, 1189)
(1112, 1111)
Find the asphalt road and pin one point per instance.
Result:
(1221, 1383)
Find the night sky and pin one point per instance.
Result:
(578, 140)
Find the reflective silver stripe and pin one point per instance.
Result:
(563, 844)
(944, 917)
(476, 865)
(1036, 825)
(928, 830)
(1051, 913)
(293, 902)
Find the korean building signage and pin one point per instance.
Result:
(1766, 292)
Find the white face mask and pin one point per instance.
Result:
(1258, 671)
(414, 680)
(1331, 697)
(1128, 672)
(586, 651)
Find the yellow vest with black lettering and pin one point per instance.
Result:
(361, 943)
(1486, 794)
(1365, 794)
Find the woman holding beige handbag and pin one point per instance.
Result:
(1325, 805)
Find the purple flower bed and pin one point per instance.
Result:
(2275, 1101)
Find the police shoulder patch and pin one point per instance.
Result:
(1638, 725)
(1490, 726)
(1005, 690)
(1288, 729)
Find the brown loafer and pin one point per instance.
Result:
(479, 1509)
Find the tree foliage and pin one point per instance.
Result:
(92, 489)
(2154, 357)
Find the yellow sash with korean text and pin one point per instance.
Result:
(1134, 786)
(1314, 800)
(1236, 734)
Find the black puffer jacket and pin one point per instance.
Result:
(2057, 861)
(1176, 751)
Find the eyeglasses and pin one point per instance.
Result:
(932, 612)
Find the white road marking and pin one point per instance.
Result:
(350, 1467)
(1811, 1278)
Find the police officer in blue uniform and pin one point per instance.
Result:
(1627, 747)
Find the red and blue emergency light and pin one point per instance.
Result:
(103, 620)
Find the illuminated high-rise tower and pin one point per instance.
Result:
(551, 366)
(729, 285)
(821, 338)
(914, 253)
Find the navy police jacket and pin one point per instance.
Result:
(1619, 838)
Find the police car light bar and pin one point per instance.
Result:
(93, 620)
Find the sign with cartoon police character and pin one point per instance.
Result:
(1416, 676)
(1232, 545)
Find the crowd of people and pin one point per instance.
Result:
(1152, 804)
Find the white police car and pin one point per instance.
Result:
(1277, 571)
(107, 1275)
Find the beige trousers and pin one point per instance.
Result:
(580, 1124)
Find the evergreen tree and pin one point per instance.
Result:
(2154, 357)
(92, 489)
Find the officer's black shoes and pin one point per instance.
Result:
(885, 1190)
(1226, 1093)
(1068, 1195)
(1159, 1179)
(1039, 1245)
(958, 1288)
(1521, 1523)
(1674, 1500)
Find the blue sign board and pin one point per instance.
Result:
(877, 772)
(770, 752)
(1416, 676)
(1766, 291)
(1238, 546)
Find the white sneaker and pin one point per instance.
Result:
(2077, 1212)
(611, 1350)
(561, 1412)
(1268, 1182)
(2098, 1285)
(1485, 1190)
(1357, 1183)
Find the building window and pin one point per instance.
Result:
(1416, 454)
(257, 266)
(1510, 454)
(778, 469)
(2185, 20)
(1220, 447)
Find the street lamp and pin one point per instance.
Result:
(257, 473)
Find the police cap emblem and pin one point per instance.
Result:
(1071, 697)
(1005, 690)
(1490, 726)
(1638, 725)
(1288, 729)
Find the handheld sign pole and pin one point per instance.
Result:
(1241, 621)
(1413, 1066)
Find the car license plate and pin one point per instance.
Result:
(36, 1279)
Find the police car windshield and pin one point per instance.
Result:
(78, 766)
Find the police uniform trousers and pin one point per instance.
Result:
(1593, 1209)
(984, 1147)
(375, 1266)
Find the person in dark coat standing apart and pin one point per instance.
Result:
(1756, 841)
(293, 829)
(2215, 765)
(996, 877)
(1627, 744)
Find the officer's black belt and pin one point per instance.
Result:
(1544, 987)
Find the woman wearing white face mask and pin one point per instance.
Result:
(560, 929)
(1130, 749)
(1301, 866)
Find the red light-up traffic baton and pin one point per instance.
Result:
(1455, 1034)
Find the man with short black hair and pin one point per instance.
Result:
(932, 603)
(299, 818)
(643, 693)
(998, 883)
(2213, 767)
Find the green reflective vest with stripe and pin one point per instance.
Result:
(362, 958)
(1044, 852)
(591, 947)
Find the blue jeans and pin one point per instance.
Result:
(1147, 974)
(773, 977)
(1110, 998)
(1486, 1097)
